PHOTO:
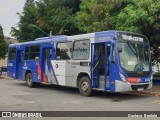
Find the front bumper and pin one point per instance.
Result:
(121, 86)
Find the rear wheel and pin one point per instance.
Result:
(85, 86)
(29, 80)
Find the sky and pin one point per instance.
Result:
(8, 16)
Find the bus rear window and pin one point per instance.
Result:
(12, 54)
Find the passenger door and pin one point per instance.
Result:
(94, 65)
(46, 65)
(100, 65)
(19, 63)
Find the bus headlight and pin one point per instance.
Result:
(122, 77)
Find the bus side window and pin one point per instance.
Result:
(32, 52)
(63, 51)
(12, 53)
(81, 50)
(57, 53)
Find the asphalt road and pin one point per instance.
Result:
(15, 96)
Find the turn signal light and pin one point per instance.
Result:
(133, 80)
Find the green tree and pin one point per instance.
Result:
(28, 3)
(141, 16)
(3, 44)
(25, 31)
(58, 14)
(98, 15)
(91, 16)
(48, 15)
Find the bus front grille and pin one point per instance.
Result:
(135, 87)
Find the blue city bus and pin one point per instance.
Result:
(114, 61)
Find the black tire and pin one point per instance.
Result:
(85, 86)
(29, 80)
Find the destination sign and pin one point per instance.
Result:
(132, 38)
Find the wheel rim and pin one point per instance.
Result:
(85, 86)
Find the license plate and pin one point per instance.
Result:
(140, 89)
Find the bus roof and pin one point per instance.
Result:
(63, 38)
(42, 40)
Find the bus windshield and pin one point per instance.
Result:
(134, 57)
(135, 54)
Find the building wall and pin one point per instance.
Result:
(3, 62)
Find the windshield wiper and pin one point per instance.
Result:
(134, 52)
(129, 44)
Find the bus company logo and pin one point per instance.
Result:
(75, 63)
(6, 114)
(21, 114)
(56, 65)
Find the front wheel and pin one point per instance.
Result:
(85, 86)
(29, 80)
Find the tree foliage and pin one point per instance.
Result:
(3, 44)
(99, 15)
(24, 31)
(141, 16)
(77, 16)
(48, 15)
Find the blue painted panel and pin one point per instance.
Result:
(32, 65)
(11, 69)
(20, 64)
